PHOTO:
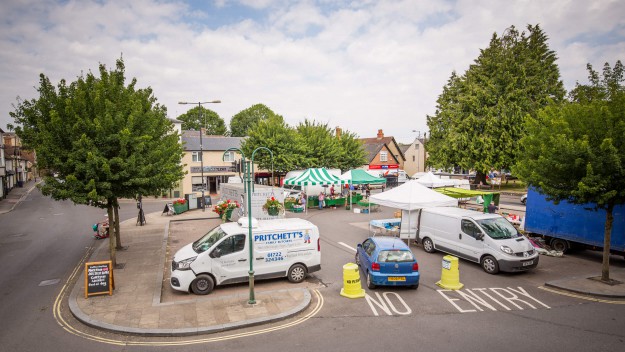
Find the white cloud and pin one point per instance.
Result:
(358, 65)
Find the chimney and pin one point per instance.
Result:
(380, 134)
(338, 132)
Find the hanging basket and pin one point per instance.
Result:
(273, 211)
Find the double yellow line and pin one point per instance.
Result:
(74, 331)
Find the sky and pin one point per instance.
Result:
(359, 65)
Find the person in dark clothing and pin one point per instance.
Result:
(492, 208)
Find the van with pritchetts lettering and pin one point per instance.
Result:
(284, 247)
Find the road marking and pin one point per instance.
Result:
(580, 296)
(385, 303)
(509, 297)
(348, 246)
(75, 331)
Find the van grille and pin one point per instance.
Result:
(525, 254)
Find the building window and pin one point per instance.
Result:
(229, 156)
(383, 156)
(197, 157)
(413, 158)
(416, 146)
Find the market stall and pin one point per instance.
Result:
(410, 197)
(312, 177)
(384, 226)
(360, 177)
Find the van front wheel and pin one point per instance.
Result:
(297, 273)
(202, 285)
(428, 245)
(490, 265)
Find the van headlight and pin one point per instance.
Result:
(185, 264)
(506, 249)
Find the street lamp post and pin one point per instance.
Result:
(248, 172)
(199, 104)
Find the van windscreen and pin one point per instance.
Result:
(208, 240)
(498, 228)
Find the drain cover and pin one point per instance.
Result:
(49, 282)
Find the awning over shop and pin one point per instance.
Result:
(313, 177)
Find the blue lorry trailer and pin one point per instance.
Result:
(565, 226)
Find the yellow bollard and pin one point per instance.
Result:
(351, 282)
(450, 276)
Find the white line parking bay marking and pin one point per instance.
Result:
(491, 298)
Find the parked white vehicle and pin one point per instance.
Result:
(285, 247)
(401, 174)
(488, 239)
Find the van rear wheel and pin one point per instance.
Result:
(203, 285)
(297, 273)
(428, 245)
(490, 265)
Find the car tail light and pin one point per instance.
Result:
(375, 266)
(318, 244)
(415, 267)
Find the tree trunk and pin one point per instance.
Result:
(480, 177)
(112, 252)
(118, 239)
(607, 237)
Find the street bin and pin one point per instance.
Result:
(191, 200)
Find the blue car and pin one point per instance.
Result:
(387, 261)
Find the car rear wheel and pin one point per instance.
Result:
(203, 285)
(490, 265)
(414, 287)
(297, 273)
(370, 283)
(428, 245)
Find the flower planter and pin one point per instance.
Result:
(180, 208)
(273, 211)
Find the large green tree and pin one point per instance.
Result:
(576, 151)
(246, 119)
(479, 116)
(104, 140)
(285, 144)
(199, 116)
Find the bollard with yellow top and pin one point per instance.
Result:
(450, 275)
(351, 282)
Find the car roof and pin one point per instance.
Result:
(385, 243)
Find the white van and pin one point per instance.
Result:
(284, 247)
(488, 239)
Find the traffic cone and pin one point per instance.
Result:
(351, 282)
(450, 275)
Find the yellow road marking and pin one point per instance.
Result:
(580, 296)
(74, 331)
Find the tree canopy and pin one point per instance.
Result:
(479, 116)
(310, 144)
(576, 151)
(103, 139)
(200, 116)
(246, 119)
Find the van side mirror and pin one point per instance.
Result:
(216, 253)
(480, 237)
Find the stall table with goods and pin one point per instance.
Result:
(334, 202)
(384, 226)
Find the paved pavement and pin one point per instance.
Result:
(144, 304)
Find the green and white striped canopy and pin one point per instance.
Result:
(314, 177)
